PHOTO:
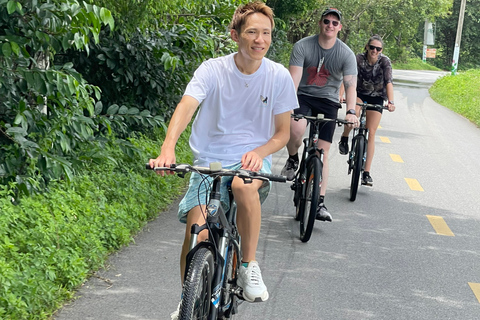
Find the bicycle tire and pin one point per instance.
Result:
(359, 150)
(197, 287)
(310, 197)
(229, 282)
(297, 196)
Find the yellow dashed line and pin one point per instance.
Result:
(414, 184)
(379, 127)
(476, 289)
(396, 158)
(385, 139)
(440, 226)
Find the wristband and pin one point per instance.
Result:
(352, 111)
(391, 102)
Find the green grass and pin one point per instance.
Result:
(414, 64)
(460, 93)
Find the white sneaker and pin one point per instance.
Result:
(174, 315)
(250, 280)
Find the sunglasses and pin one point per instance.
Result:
(377, 48)
(334, 22)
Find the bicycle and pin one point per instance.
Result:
(210, 289)
(308, 178)
(358, 153)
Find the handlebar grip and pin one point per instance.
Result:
(147, 166)
(275, 177)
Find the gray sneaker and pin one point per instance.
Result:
(250, 280)
(323, 214)
(289, 169)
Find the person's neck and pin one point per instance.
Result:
(246, 66)
(326, 43)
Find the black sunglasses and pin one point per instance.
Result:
(334, 22)
(373, 48)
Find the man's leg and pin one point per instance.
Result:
(297, 130)
(195, 215)
(248, 222)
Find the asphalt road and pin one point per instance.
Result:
(408, 248)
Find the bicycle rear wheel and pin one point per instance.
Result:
(310, 198)
(358, 149)
(197, 288)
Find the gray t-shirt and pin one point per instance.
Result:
(323, 70)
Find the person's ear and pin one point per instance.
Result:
(234, 35)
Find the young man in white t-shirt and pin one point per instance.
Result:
(245, 104)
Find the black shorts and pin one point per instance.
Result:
(371, 100)
(311, 106)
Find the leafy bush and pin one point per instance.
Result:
(52, 241)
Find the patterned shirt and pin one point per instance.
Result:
(373, 79)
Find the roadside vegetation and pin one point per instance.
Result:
(460, 93)
(86, 92)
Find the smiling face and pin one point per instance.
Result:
(254, 38)
(374, 47)
(330, 25)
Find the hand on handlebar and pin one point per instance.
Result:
(252, 161)
(353, 119)
(165, 159)
(390, 107)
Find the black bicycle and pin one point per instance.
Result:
(358, 152)
(210, 289)
(307, 182)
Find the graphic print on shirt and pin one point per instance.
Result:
(317, 78)
(264, 100)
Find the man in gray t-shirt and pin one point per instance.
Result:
(319, 64)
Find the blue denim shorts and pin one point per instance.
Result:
(199, 187)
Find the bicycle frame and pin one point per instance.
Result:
(221, 226)
(360, 133)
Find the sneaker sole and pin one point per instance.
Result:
(367, 184)
(262, 298)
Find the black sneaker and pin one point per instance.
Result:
(367, 179)
(343, 145)
(289, 169)
(323, 214)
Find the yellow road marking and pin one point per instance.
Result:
(396, 158)
(379, 127)
(414, 184)
(476, 289)
(385, 139)
(440, 226)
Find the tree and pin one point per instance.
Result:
(446, 32)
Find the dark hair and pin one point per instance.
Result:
(242, 12)
(374, 37)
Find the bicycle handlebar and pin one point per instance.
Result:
(376, 106)
(215, 169)
(319, 118)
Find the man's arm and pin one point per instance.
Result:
(350, 84)
(253, 160)
(181, 118)
(296, 72)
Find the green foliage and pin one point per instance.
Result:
(51, 242)
(446, 33)
(460, 93)
(45, 113)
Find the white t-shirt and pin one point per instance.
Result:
(236, 113)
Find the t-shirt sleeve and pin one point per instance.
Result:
(198, 86)
(387, 70)
(297, 56)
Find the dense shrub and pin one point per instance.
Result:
(51, 242)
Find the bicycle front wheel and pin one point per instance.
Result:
(310, 198)
(359, 150)
(197, 288)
